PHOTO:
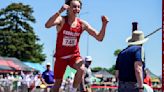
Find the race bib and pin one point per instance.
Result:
(69, 41)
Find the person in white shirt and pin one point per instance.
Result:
(85, 85)
(26, 79)
(10, 79)
(37, 82)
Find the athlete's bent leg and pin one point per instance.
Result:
(57, 85)
(59, 69)
(79, 66)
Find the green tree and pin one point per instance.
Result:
(96, 69)
(112, 70)
(116, 52)
(16, 17)
(17, 37)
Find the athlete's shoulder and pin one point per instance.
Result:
(85, 24)
(64, 18)
(83, 21)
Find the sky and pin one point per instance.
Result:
(121, 14)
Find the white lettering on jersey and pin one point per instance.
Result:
(71, 33)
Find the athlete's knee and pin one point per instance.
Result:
(81, 69)
(58, 82)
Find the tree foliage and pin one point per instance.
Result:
(116, 52)
(17, 37)
(110, 70)
(16, 17)
(96, 69)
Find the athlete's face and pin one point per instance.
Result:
(74, 7)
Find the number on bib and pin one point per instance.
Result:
(69, 41)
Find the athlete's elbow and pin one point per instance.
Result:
(100, 39)
(47, 26)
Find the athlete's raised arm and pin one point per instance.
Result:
(98, 35)
(56, 19)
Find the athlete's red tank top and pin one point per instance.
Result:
(68, 39)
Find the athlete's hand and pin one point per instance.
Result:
(63, 8)
(104, 19)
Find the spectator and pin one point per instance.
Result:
(10, 79)
(147, 79)
(37, 82)
(85, 85)
(1, 83)
(16, 82)
(130, 64)
(26, 80)
(48, 77)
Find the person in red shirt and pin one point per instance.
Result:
(69, 29)
(147, 79)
